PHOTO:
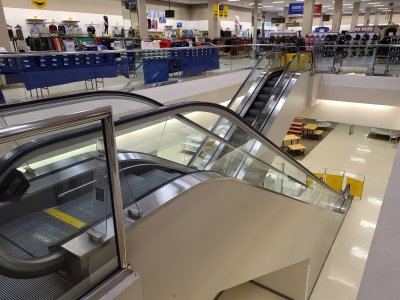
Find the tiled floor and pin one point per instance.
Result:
(342, 273)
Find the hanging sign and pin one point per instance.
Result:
(225, 11)
(296, 8)
(215, 11)
(221, 10)
(317, 10)
(39, 3)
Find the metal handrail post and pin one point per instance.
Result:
(113, 172)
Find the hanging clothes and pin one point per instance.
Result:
(61, 30)
(53, 29)
(18, 32)
(91, 30)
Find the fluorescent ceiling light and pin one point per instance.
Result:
(233, 0)
(278, 2)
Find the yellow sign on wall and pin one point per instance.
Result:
(225, 11)
(215, 12)
(39, 3)
(221, 10)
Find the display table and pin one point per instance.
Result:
(309, 128)
(297, 149)
(291, 138)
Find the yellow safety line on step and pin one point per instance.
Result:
(66, 218)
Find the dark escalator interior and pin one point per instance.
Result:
(261, 99)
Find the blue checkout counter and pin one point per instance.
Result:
(50, 70)
(158, 64)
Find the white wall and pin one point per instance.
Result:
(195, 246)
(296, 101)
(362, 89)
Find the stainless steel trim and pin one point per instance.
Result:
(113, 170)
(25, 130)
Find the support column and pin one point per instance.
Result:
(142, 18)
(337, 15)
(367, 16)
(4, 38)
(391, 16)
(377, 17)
(308, 17)
(255, 21)
(355, 14)
(214, 30)
(286, 16)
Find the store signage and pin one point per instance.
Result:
(322, 29)
(39, 3)
(280, 20)
(296, 8)
(215, 11)
(221, 10)
(225, 11)
(317, 10)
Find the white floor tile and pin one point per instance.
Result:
(342, 273)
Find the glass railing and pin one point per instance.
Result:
(122, 103)
(178, 140)
(41, 74)
(57, 232)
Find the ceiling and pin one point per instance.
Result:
(327, 5)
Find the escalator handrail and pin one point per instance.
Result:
(234, 98)
(188, 107)
(255, 68)
(278, 83)
(14, 108)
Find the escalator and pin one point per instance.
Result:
(52, 209)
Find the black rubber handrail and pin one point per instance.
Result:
(14, 108)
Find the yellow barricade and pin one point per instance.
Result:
(334, 181)
(356, 186)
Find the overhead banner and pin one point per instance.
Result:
(296, 8)
(279, 20)
(39, 3)
(317, 10)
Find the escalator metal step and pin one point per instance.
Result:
(36, 232)
(48, 287)
(258, 104)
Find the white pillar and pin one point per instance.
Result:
(337, 15)
(308, 17)
(255, 21)
(367, 16)
(286, 16)
(214, 30)
(391, 16)
(4, 38)
(376, 17)
(142, 18)
(355, 14)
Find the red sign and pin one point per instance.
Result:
(317, 10)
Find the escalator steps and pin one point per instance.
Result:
(36, 232)
(48, 287)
